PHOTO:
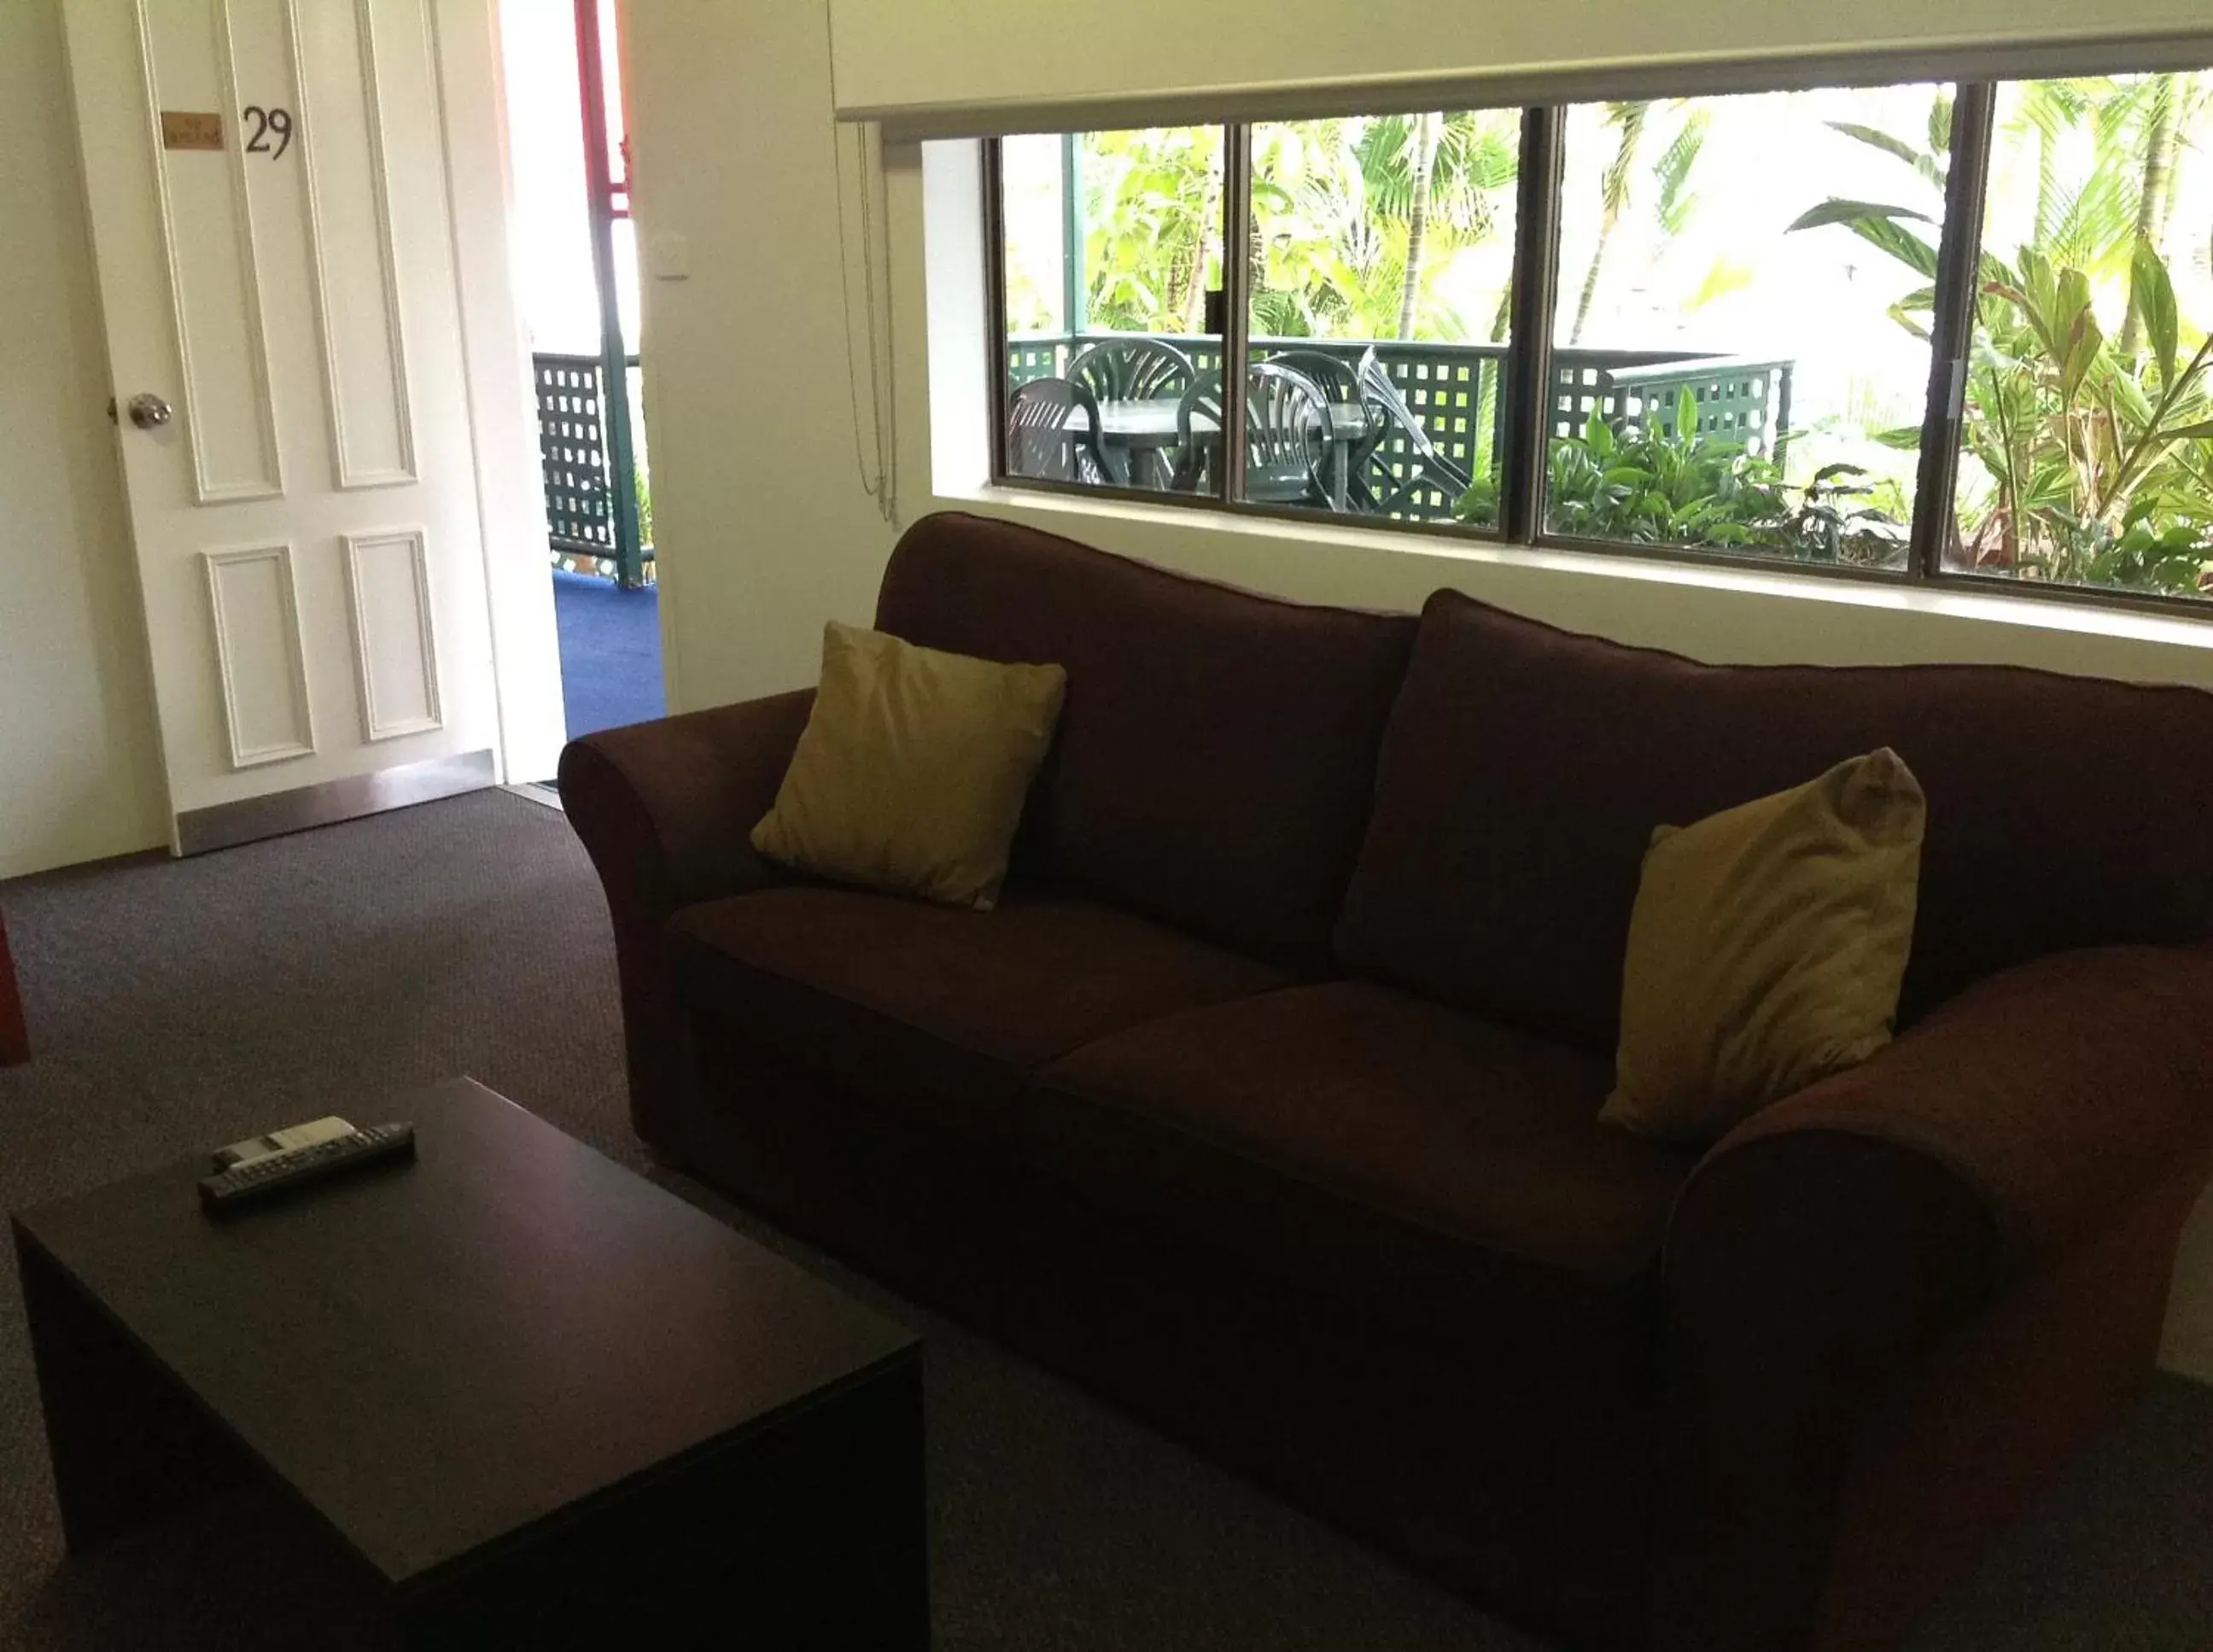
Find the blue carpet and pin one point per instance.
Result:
(610, 652)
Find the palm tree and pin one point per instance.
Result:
(2123, 199)
(1675, 201)
(1418, 221)
(1192, 306)
(1355, 218)
(1628, 120)
(2171, 105)
(2048, 111)
(2090, 225)
(1153, 205)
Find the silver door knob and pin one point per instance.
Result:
(148, 411)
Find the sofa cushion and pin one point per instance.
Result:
(1766, 948)
(1526, 767)
(1450, 1175)
(919, 1006)
(1216, 760)
(911, 772)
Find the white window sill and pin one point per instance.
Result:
(1067, 514)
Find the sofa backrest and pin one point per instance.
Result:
(1525, 768)
(1216, 759)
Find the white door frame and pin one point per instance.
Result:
(502, 411)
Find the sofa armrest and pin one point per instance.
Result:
(1823, 1250)
(666, 810)
(2057, 1091)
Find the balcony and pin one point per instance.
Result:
(586, 530)
(1445, 427)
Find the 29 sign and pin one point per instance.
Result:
(265, 124)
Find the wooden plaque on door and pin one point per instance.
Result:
(191, 129)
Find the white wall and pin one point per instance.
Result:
(765, 531)
(747, 403)
(80, 775)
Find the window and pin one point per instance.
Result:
(1914, 332)
(1733, 369)
(2087, 440)
(1382, 311)
(1112, 273)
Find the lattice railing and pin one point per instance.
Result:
(572, 454)
(1744, 400)
(1454, 390)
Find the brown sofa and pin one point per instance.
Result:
(1266, 1103)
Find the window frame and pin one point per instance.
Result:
(1951, 327)
(1525, 379)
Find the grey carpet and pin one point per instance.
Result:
(176, 1006)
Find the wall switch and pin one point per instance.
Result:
(668, 256)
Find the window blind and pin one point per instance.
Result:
(986, 67)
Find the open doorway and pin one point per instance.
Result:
(575, 264)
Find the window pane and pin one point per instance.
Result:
(2086, 454)
(1113, 264)
(1381, 294)
(1742, 358)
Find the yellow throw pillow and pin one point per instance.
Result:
(911, 774)
(1766, 948)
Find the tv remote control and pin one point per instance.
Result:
(272, 1171)
(280, 1141)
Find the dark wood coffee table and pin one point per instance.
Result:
(540, 1401)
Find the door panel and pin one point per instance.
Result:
(309, 546)
(395, 643)
(208, 241)
(350, 224)
(255, 608)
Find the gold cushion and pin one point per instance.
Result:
(1766, 948)
(911, 774)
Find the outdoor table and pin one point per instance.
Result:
(1150, 426)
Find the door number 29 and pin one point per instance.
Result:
(263, 125)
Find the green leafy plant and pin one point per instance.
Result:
(1354, 221)
(1153, 238)
(1676, 485)
(2092, 456)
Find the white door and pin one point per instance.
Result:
(268, 190)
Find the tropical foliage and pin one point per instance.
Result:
(1356, 221)
(1659, 482)
(2101, 461)
(1679, 127)
(1356, 225)
(2088, 449)
(2087, 432)
(1675, 486)
(1152, 212)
